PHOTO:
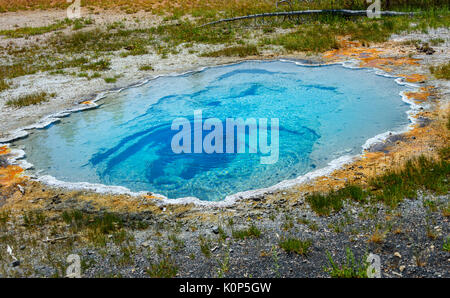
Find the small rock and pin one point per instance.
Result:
(146, 244)
(298, 203)
(22, 247)
(426, 49)
(398, 255)
(215, 230)
(402, 268)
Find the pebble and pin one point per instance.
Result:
(398, 255)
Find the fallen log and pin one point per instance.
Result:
(344, 12)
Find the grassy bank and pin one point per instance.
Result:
(76, 49)
(86, 49)
(392, 187)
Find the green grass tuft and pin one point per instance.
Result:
(81, 23)
(146, 67)
(27, 100)
(350, 269)
(99, 65)
(135, 50)
(166, 268)
(325, 204)
(30, 31)
(441, 71)
(4, 85)
(313, 38)
(33, 218)
(418, 173)
(236, 51)
(101, 226)
(110, 80)
(205, 246)
(298, 246)
(106, 223)
(252, 231)
(73, 217)
(446, 245)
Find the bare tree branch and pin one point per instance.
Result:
(344, 12)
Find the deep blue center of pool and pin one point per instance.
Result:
(324, 112)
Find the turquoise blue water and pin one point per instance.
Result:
(324, 112)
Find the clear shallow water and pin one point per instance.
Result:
(324, 112)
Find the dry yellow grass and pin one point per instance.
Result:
(446, 212)
(377, 237)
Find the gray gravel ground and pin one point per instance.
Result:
(410, 243)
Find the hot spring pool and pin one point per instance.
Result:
(324, 112)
